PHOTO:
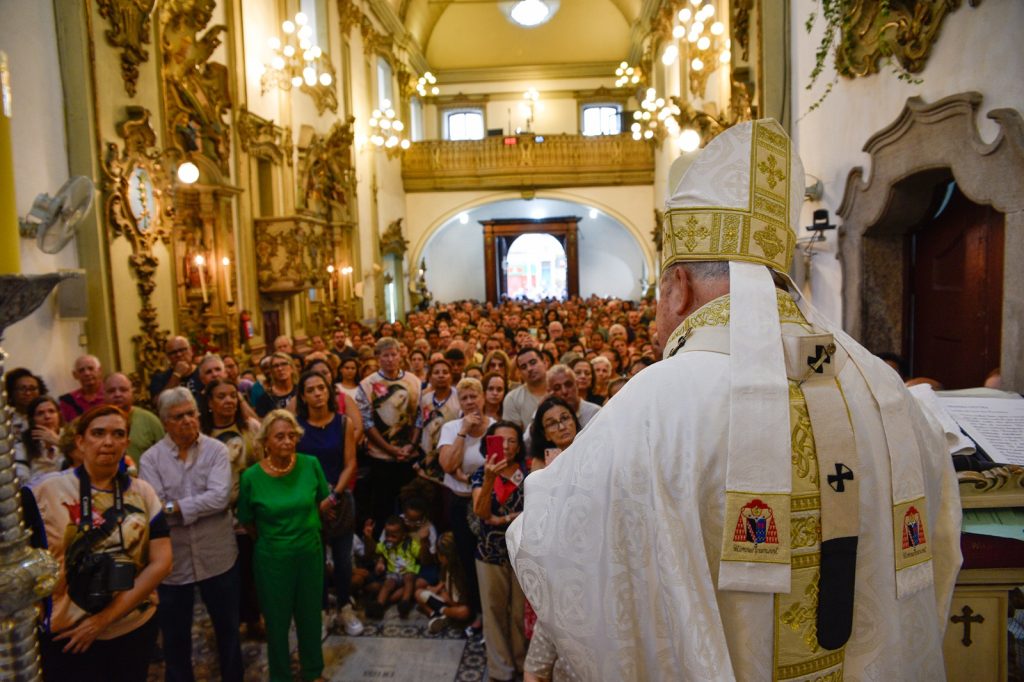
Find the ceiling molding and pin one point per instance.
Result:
(641, 28)
(392, 24)
(520, 73)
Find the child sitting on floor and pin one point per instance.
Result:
(447, 600)
(398, 563)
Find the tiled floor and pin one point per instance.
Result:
(393, 650)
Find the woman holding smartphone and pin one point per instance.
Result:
(498, 500)
(553, 429)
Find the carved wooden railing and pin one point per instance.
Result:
(527, 162)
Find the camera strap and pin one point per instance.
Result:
(85, 500)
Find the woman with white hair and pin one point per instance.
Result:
(280, 503)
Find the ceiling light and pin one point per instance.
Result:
(593, 214)
(188, 172)
(530, 13)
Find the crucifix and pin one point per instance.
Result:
(967, 618)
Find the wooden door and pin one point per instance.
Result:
(956, 293)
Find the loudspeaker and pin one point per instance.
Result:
(72, 298)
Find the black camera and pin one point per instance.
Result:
(95, 577)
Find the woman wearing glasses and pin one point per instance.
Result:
(280, 503)
(280, 395)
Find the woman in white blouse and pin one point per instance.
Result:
(460, 456)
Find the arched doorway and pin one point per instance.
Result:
(535, 268)
(928, 145)
(499, 236)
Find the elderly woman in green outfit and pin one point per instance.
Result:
(280, 502)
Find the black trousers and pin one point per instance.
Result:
(386, 480)
(122, 659)
(465, 543)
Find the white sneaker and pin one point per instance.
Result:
(353, 626)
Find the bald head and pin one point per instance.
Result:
(118, 391)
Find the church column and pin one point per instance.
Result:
(1012, 351)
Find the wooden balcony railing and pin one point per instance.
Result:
(527, 162)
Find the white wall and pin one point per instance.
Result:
(611, 261)
(978, 49)
(41, 342)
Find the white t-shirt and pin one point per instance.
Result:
(472, 458)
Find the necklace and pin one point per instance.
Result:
(280, 470)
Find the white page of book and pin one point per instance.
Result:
(996, 424)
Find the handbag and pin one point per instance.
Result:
(344, 518)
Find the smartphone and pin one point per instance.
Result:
(495, 447)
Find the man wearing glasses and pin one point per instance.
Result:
(181, 371)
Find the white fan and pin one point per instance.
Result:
(53, 220)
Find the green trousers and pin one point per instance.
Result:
(289, 587)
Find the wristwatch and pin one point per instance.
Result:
(169, 508)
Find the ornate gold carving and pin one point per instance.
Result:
(130, 27)
(874, 30)
(292, 253)
(1001, 486)
(349, 15)
(327, 176)
(261, 138)
(741, 25)
(197, 94)
(392, 242)
(137, 206)
(560, 161)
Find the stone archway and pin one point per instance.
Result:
(926, 143)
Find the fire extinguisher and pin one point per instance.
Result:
(247, 329)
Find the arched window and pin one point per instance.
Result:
(464, 124)
(602, 119)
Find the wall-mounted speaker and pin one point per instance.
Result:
(72, 298)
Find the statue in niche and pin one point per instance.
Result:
(197, 89)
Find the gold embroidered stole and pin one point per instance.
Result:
(796, 652)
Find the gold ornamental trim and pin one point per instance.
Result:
(758, 233)
(130, 28)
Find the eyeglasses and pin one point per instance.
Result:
(32, 388)
(177, 351)
(182, 416)
(562, 423)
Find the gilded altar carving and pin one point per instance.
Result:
(874, 31)
(327, 176)
(292, 253)
(262, 138)
(136, 186)
(130, 26)
(392, 242)
(196, 90)
(992, 487)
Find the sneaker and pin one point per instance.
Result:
(353, 626)
(437, 624)
(404, 607)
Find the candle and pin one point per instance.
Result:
(226, 262)
(200, 263)
(10, 241)
(330, 281)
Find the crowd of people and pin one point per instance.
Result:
(325, 481)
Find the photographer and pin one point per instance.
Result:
(108, 533)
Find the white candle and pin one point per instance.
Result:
(226, 262)
(330, 281)
(200, 262)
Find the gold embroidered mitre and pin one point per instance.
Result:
(738, 201)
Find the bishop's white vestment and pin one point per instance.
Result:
(621, 541)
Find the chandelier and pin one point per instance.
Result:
(530, 13)
(704, 40)
(655, 118)
(427, 83)
(386, 130)
(627, 75)
(295, 60)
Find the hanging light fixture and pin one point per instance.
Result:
(530, 13)
(387, 132)
(295, 60)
